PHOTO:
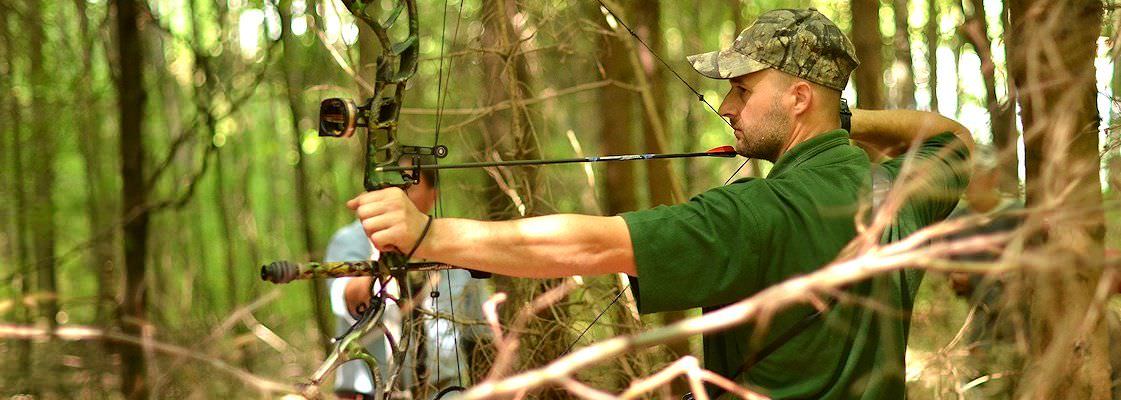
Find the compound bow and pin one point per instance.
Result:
(378, 116)
(396, 64)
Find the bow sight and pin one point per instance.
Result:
(340, 118)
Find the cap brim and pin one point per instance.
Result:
(724, 64)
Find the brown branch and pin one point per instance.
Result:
(219, 331)
(84, 333)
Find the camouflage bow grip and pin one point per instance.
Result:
(287, 271)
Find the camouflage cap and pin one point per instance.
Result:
(803, 43)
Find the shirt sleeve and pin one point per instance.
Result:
(940, 172)
(709, 242)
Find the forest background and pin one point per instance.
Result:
(153, 154)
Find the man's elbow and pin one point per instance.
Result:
(610, 261)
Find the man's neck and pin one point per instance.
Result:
(806, 131)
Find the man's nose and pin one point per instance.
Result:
(727, 109)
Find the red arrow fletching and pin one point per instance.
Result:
(722, 151)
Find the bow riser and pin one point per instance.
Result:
(396, 64)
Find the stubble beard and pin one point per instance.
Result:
(764, 139)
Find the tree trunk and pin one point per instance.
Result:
(134, 196)
(22, 280)
(957, 46)
(617, 122)
(975, 31)
(930, 31)
(617, 133)
(204, 99)
(904, 68)
(664, 184)
(869, 44)
(1052, 65)
(42, 207)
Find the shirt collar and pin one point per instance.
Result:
(807, 150)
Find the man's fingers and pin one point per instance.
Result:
(370, 210)
(378, 223)
(364, 198)
(373, 196)
(383, 215)
(384, 240)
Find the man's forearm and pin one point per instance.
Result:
(539, 247)
(894, 131)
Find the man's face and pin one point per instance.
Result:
(753, 106)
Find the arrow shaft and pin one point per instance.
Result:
(514, 163)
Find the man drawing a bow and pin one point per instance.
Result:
(786, 72)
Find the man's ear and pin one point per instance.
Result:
(803, 94)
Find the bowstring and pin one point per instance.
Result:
(441, 99)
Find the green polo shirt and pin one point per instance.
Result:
(731, 242)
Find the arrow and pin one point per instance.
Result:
(722, 151)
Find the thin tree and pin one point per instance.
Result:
(869, 44)
(22, 278)
(975, 32)
(904, 68)
(661, 179)
(932, 39)
(134, 196)
(42, 206)
(618, 107)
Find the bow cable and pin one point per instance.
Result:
(442, 87)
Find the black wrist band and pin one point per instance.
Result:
(421, 238)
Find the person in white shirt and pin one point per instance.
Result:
(442, 340)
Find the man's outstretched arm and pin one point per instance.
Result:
(539, 247)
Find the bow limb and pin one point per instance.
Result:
(396, 64)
